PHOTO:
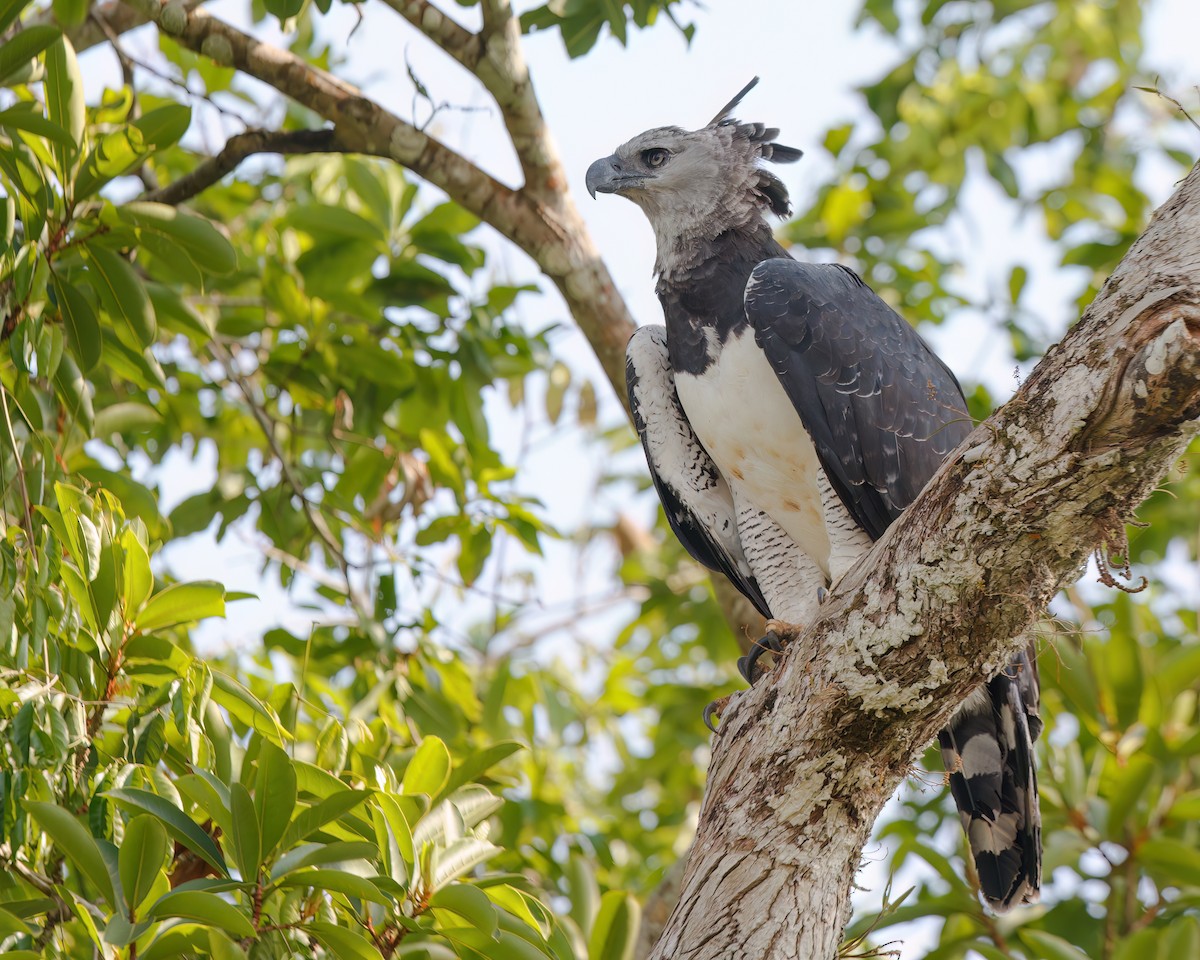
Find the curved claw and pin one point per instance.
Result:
(709, 712)
(822, 594)
(748, 665)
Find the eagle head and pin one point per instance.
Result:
(698, 183)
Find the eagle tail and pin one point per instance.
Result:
(987, 748)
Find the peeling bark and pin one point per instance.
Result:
(804, 762)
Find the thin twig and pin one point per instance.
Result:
(1171, 100)
(315, 518)
(237, 149)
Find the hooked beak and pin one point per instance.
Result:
(608, 176)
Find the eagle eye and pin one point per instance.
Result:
(656, 156)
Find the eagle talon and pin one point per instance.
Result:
(772, 641)
(714, 709)
(822, 594)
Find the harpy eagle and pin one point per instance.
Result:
(788, 416)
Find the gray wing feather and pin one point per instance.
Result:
(694, 495)
(881, 408)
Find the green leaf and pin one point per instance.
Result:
(247, 839)
(114, 155)
(1016, 283)
(247, 708)
(202, 907)
(9, 11)
(584, 892)
(11, 924)
(210, 795)
(274, 795)
(458, 858)
(1170, 863)
(73, 392)
(505, 946)
(164, 126)
(64, 100)
(70, 13)
(22, 118)
(182, 603)
(82, 324)
(314, 854)
(468, 902)
(1049, 946)
(1130, 782)
(477, 764)
(1123, 665)
(76, 842)
(179, 825)
(309, 821)
(122, 293)
(142, 856)
(173, 944)
(16, 54)
(399, 825)
(614, 935)
(283, 9)
(343, 943)
(323, 221)
(129, 417)
(429, 768)
(337, 880)
(198, 238)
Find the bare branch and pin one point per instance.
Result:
(496, 59)
(237, 149)
(361, 125)
(804, 762)
(456, 40)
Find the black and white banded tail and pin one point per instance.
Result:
(988, 750)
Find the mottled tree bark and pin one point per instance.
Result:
(804, 762)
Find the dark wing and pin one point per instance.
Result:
(987, 748)
(694, 495)
(881, 408)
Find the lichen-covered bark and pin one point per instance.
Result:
(804, 762)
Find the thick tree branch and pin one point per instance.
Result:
(548, 228)
(119, 17)
(506, 76)
(237, 149)
(804, 762)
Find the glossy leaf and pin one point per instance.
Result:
(202, 907)
(182, 603)
(614, 934)
(178, 824)
(143, 853)
(73, 839)
(122, 294)
(64, 100)
(81, 323)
